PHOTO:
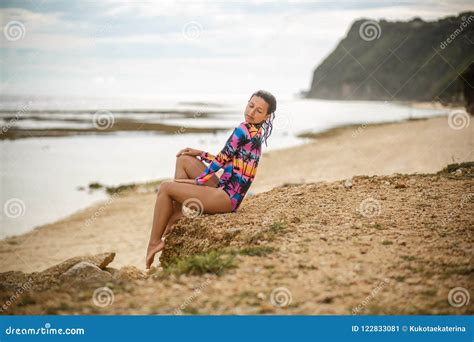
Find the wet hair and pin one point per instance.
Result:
(272, 105)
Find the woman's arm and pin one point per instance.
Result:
(189, 181)
(188, 151)
(205, 156)
(224, 156)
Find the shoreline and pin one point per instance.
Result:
(148, 186)
(122, 222)
(108, 125)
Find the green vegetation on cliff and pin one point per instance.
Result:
(415, 60)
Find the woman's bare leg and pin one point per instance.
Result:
(212, 200)
(187, 167)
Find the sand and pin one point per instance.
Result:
(418, 146)
(399, 244)
(122, 223)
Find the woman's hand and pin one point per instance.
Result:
(188, 151)
(189, 181)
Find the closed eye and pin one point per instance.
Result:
(259, 109)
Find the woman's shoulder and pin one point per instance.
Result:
(242, 128)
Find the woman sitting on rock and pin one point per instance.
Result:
(197, 187)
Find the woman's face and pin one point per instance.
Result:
(256, 110)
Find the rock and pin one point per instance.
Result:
(85, 272)
(348, 184)
(129, 273)
(100, 260)
(113, 271)
(12, 280)
(92, 271)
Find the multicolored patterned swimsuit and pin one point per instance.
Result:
(239, 158)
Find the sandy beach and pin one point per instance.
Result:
(358, 221)
(122, 222)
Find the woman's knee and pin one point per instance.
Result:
(183, 160)
(165, 187)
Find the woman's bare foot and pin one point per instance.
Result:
(151, 251)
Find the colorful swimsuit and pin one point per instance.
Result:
(239, 158)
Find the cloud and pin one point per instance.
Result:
(143, 46)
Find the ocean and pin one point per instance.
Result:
(41, 176)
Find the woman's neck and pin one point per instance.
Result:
(258, 125)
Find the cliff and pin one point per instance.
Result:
(414, 61)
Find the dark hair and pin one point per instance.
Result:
(272, 105)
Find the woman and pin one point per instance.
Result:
(195, 183)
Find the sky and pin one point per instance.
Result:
(143, 48)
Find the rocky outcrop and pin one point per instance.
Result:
(99, 260)
(85, 272)
(89, 270)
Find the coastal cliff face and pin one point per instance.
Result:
(415, 60)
